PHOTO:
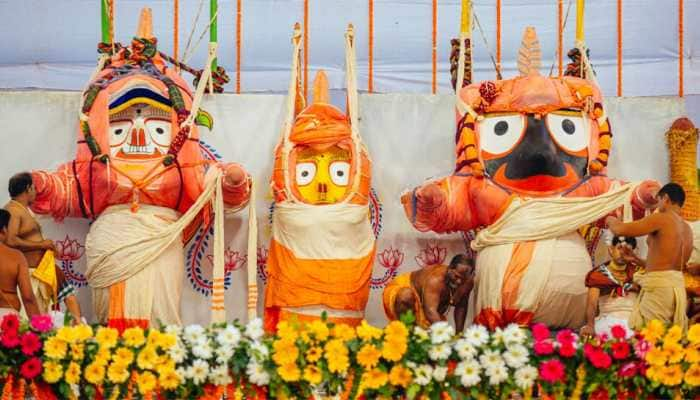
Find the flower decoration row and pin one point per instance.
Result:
(324, 360)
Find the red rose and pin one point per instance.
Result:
(540, 332)
(620, 350)
(30, 343)
(566, 336)
(31, 368)
(9, 340)
(628, 370)
(543, 348)
(600, 394)
(618, 332)
(10, 324)
(567, 350)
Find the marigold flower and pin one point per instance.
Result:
(95, 373)
(312, 374)
(368, 356)
(134, 337)
(289, 372)
(400, 376)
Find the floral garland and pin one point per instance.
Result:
(324, 360)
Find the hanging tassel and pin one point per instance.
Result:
(7, 389)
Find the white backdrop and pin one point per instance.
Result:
(410, 138)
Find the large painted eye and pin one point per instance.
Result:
(499, 133)
(306, 172)
(340, 172)
(118, 132)
(159, 130)
(568, 130)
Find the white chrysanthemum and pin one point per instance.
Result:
(202, 350)
(229, 337)
(439, 373)
(491, 359)
(516, 356)
(525, 376)
(468, 373)
(421, 333)
(174, 330)
(497, 374)
(440, 351)
(224, 354)
(194, 334)
(198, 371)
(220, 376)
(514, 334)
(183, 372)
(465, 349)
(254, 329)
(477, 335)
(441, 332)
(423, 374)
(259, 351)
(497, 337)
(177, 353)
(257, 374)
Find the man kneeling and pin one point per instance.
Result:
(429, 292)
(670, 242)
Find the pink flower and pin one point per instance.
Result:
(620, 350)
(9, 340)
(30, 343)
(31, 368)
(597, 357)
(432, 254)
(641, 348)
(543, 348)
(391, 258)
(69, 249)
(628, 370)
(566, 336)
(42, 323)
(567, 350)
(552, 371)
(10, 324)
(618, 332)
(540, 332)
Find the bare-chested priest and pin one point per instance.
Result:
(431, 291)
(24, 234)
(670, 242)
(14, 274)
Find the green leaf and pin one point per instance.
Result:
(412, 391)
(204, 119)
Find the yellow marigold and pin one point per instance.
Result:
(654, 373)
(289, 372)
(95, 373)
(367, 332)
(77, 351)
(396, 330)
(672, 375)
(146, 382)
(394, 349)
(165, 365)
(400, 376)
(319, 329)
(169, 380)
(692, 375)
(134, 337)
(147, 358)
(102, 356)
(343, 331)
(368, 356)
(55, 348)
(284, 351)
(314, 354)
(654, 330)
(674, 334)
(107, 337)
(675, 351)
(335, 348)
(117, 373)
(67, 333)
(83, 332)
(656, 356)
(286, 331)
(73, 373)
(693, 334)
(692, 354)
(166, 341)
(312, 374)
(123, 356)
(338, 364)
(53, 372)
(374, 378)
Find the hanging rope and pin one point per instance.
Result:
(201, 37)
(496, 66)
(619, 48)
(498, 33)
(194, 27)
(370, 50)
(563, 28)
(176, 29)
(680, 48)
(434, 50)
(560, 36)
(306, 48)
(239, 22)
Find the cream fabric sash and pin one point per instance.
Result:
(662, 297)
(335, 231)
(695, 255)
(540, 219)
